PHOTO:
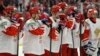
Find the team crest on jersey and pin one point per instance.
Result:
(97, 32)
(2, 25)
(31, 24)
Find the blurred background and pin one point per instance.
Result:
(21, 5)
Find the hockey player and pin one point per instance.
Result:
(66, 38)
(67, 25)
(8, 34)
(94, 32)
(33, 34)
(81, 28)
(52, 42)
(68, 34)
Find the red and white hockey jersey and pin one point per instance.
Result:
(33, 37)
(94, 34)
(8, 37)
(67, 37)
(54, 35)
(94, 30)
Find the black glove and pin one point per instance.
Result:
(44, 21)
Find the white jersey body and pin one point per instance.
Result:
(8, 44)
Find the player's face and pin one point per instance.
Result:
(35, 16)
(89, 15)
(55, 14)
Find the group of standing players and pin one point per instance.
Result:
(63, 32)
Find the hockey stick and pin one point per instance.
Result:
(18, 41)
(80, 28)
(61, 42)
(51, 42)
(72, 41)
(51, 33)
